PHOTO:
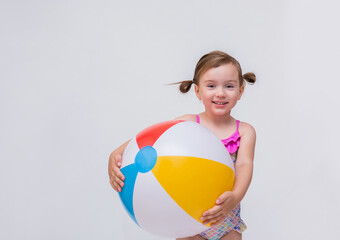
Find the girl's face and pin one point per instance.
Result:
(219, 89)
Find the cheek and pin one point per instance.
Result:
(234, 95)
(209, 97)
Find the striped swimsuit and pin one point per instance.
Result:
(233, 221)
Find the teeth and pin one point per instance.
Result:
(219, 103)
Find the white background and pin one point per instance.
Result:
(78, 78)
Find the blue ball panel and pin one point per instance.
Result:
(126, 195)
(146, 159)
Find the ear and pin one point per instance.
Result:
(241, 92)
(197, 92)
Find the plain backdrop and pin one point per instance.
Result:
(79, 78)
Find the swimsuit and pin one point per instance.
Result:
(233, 221)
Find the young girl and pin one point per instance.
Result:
(219, 84)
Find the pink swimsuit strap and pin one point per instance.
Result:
(232, 143)
(197, 118)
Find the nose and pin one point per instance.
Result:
(221, 92)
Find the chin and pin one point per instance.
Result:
(221, 113)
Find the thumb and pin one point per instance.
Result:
(118, 160)
(223, 197)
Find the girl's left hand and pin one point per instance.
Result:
(224, 204)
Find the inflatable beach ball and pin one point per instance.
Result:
(174, 171)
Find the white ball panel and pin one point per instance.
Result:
(158, 213)
(192, 139)
(130, 153)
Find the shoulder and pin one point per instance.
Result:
(247, 142)
(187, 117)
(247, 130)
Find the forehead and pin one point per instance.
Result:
(226, 72)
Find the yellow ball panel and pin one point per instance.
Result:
(193, 183)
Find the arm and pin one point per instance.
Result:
(244, 163)
(243, 175)
(115, 162)
(187, 117)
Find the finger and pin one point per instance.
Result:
(113, 186)
(218, 222)
(118, 173)
(212, 211)
(212, 216)
(214, 220)
(223, 197)
(115, 179)
(118, 181)
(118, 160)
(111, 183)
(117, 187)
(121, 176)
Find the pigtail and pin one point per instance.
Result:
(249, 77)
(184, 86)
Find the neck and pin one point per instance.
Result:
(217, 120)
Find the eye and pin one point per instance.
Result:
(210, 85)
(230, 86)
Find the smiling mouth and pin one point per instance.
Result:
(220, 103)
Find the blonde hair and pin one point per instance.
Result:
(215, 59)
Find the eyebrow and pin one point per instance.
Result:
(228, 81)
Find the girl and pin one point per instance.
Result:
(219, 84)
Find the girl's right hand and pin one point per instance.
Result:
(116, 176)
